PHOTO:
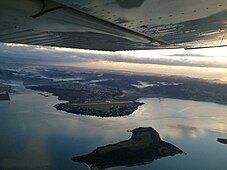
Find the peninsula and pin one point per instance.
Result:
(4, 91)
(222, 140)
(100, 109)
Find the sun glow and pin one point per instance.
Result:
(208, 63)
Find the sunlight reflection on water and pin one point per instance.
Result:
(34, 135)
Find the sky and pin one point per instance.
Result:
(208, 63)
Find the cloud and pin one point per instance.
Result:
(187, 55)
(159, 57)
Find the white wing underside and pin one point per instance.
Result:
(115, 24)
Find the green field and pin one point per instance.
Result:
(104, 106)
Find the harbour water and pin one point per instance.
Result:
(34, 135)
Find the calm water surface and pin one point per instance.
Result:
(36, 136)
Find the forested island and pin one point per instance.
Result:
(144, 146)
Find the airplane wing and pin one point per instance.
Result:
(115, 24)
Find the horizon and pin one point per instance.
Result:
(207, 63)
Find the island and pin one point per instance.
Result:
(144, 146)
(222, 140)
(100, 109)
